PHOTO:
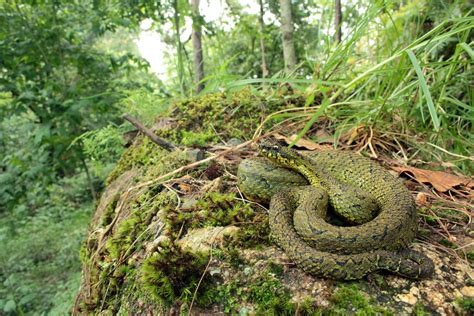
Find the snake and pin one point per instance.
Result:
(336, 214)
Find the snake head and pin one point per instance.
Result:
(280, 154)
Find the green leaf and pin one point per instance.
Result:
(467, 49)
(425, 89)
(9, 307)
(313, 119)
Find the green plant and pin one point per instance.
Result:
(171, 274)
(349, 299)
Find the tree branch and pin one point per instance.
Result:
(157, 140)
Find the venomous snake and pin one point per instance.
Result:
(335, 214)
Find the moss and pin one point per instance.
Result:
(236, 115)
(465, 306)
(213, 209)
(254, 234)
(109, 273)
(265, 295)
(271, 297)
(128, 230)
(190, 138)
(348, 299)
(150, 158)
(231, 255)
(109, 212)
(171, 274)
(420, 310)
(222, 209)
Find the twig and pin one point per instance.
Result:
(441, 224)
(450, 153)
(157, 140)
(202, 277)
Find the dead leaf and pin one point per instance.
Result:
(164, 124)
(324, 137)
(310, 145)
(421, 199)
(185, 188)
(350, 136)
(441, 181)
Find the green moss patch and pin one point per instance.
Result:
(208, 119)
(349, 299)
(171, 274)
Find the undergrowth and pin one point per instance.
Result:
(39, 261)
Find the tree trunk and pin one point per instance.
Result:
(287, 29)
(262, 41)
(338, 20)
(179, 48)
(197, 46)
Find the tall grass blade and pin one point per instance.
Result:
(324, 105)
(425, 89)
(467, 49)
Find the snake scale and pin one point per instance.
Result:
(334, 213)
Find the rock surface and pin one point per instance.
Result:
(193, 243)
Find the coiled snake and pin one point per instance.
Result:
(312, 195)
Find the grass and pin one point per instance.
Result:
(417, 90)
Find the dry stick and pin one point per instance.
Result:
(157, 140)
(443, 227)
(203, 274)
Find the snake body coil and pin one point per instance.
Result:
(306, 191)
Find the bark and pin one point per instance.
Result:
(197, 46)
(89, 179)
(262, 41)
(338, 20)
(287, 30)
(179, 47)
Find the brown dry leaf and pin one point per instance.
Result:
(185, 188)
(324, 137)
(421, 199)
(310, 145)
(350, 136)
(440, 180)
(164, 124)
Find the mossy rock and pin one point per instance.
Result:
(134, 261)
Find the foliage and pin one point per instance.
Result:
(57, 81)
(58, 86)
(40, 267)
